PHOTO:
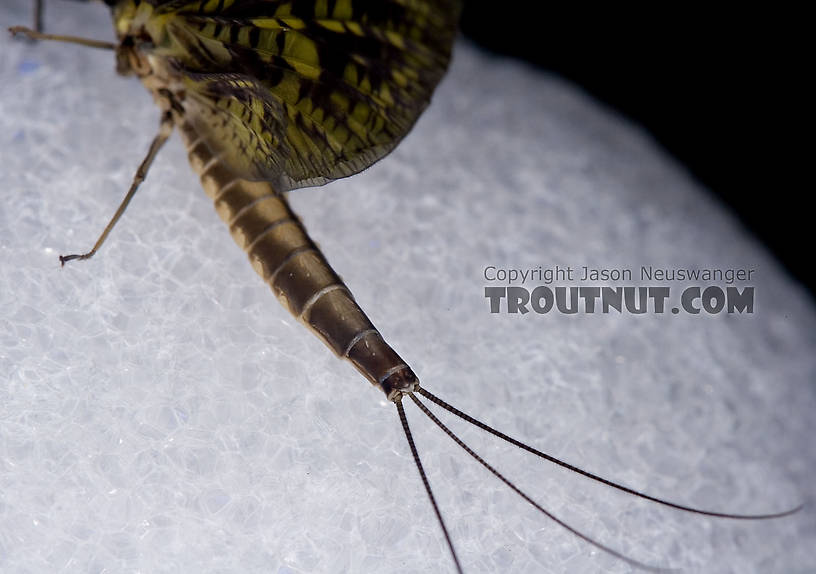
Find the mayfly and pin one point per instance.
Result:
(271, 96)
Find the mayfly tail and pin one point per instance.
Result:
(464, 416)
(425, 482)
(526, 497)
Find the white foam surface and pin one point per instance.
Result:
(160, 412)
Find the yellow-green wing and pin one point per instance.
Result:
(300, 92)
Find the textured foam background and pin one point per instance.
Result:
(160, 412)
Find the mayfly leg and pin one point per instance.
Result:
(165, 129)
(36, 34)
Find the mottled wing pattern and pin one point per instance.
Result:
(300, 92)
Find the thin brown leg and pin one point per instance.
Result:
(165, 129)
(37, 35)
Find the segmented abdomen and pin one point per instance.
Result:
(262, 223)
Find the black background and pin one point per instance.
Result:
(722, 92)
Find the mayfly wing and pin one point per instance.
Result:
(302, 92)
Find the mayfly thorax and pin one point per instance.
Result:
(272, 96)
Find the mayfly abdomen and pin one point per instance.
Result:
(281, 251)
